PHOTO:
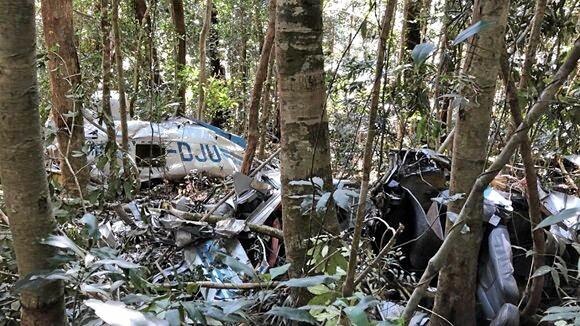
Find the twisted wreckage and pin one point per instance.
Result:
(411, 192)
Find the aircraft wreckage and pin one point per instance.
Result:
(411, 192)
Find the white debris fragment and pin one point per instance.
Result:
(316, 180)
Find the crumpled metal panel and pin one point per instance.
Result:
(204, 255)
(508, 315)
(555, 202)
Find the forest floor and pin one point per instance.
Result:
(154, 254)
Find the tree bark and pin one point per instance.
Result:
(411, 29)
(217, 69)
(534, 289)
(445, 65)
(179, 22)
(22, 172)
(138, 62)
(530, 55)
(348, 286)
(261, 72)
(454, 235)
(65, 78)
(202, 59)
(455, 298)
(120, 79)
(304, 124)
(143, 19)
(266, 107)
(106, 67)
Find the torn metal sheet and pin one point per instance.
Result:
(266, 208)
(555, 202)
(206, 255)
(574, 159)
(230, 227)
(134, 208)
(508, 315)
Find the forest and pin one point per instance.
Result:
(289, 162)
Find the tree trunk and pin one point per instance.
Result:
(138, 64)
(266, 107)
(179, 22)
(261, 72)
(532, 45)
(411, 29)
(241, 110)
(65, 78)
(120, 80)
(442, 69)
(26, 194)
(217, 69)
(304, 124)
(535, 287)
(425, 18)
(455, 298)
(202, 59)
(144, 20)
(348, 286)
(106, 67)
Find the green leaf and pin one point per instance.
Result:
(40, 278)
(421, 52)
(277, 271)
(558, 309)
(308, 281)
(335, 262)
(542, 270)
(230, 307)
(357, 316)
(194, 312)
(323, 299)
(173, 317)
(218, 314)
(119, 262)
(318, 289)
(236, 265)
(560, 316)
(116, 313)
(292, 314)
(63, 242)
(470, 31)
(559, 217)
(555, 277)
(90, 221)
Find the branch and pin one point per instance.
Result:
(213, 219)
(381, 254)
(233, 286)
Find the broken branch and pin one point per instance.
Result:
(380, 255)
(233, 286)
(213, 219)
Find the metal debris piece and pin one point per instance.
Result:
(206, 255)
(230, 227)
